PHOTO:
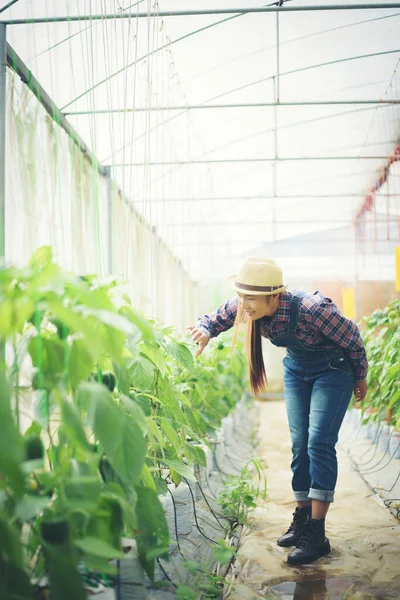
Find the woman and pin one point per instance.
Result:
(325, 362)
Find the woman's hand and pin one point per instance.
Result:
(360, 390)
(200, 338)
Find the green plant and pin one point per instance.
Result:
(118, 402)
(207, 583)
(240, 493)
(381, 335)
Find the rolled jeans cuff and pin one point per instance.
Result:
(322, 495)
(302, 496)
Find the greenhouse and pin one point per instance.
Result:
(199, 300)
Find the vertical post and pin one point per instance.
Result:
(274, 167)
(277, 96)
(3, 66)
(276, 101)
(109, 224)
(181, 303)
(154, 271)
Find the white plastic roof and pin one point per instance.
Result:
(237, 198)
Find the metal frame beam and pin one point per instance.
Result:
(217, 106)
(215, 11)
(261, 222)
(3, 66)
(247, 160)
(260, 197)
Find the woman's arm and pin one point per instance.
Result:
(208, 326)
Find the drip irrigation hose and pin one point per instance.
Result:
(374, 470)
(195, 516)
(210, 507)
(165, 573)
(354, 431)
(176, 523)
(375, 443)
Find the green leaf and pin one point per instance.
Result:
(98, 547)
(114, 320)
(195, 454)
(180, 467)
(10, 545)
(72, 423)
(156, 433)
(139, 320)
(142, 373)
(184, 592)
(152, 533)
(12, 447)
(100, 565)
(123, 376)
(83, 492)
(41, 407)
(34, 429)
(30, 506)
(171, 434)
(147, 479)
(41, 257)
(181, 353)
(13, 314)
(48, 357)
(121, 439)
(134, 410)
(88, 327)
(154, 354)
(80, 363)
(61, 566)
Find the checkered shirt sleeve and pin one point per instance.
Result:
(219, 320)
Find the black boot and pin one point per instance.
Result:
(312, 545)
(293, 534)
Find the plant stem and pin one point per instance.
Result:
(16, 371)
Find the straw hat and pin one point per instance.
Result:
(259, 277)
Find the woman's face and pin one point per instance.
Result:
(257, 307)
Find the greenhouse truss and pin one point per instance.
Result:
(148, 147)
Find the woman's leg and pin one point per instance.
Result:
(330, 398)
(297, 401)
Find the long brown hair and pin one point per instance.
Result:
(258, 376)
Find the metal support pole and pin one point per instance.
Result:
(107, 175)
(248, 160)
(211, 11)
(274, 176)
(224, 106)
(256, 197)
(3, 66)
(154, 270)
(181, 302)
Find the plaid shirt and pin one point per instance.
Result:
(320, 326)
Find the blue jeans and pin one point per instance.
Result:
(318, 388)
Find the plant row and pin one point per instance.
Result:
(381, 334)
(120, 409)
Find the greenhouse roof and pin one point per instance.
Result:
(230, 131)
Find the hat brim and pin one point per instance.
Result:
(255, 292)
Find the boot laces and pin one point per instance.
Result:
(306, 535)
(296, 520)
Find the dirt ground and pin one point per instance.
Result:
(364, 535)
